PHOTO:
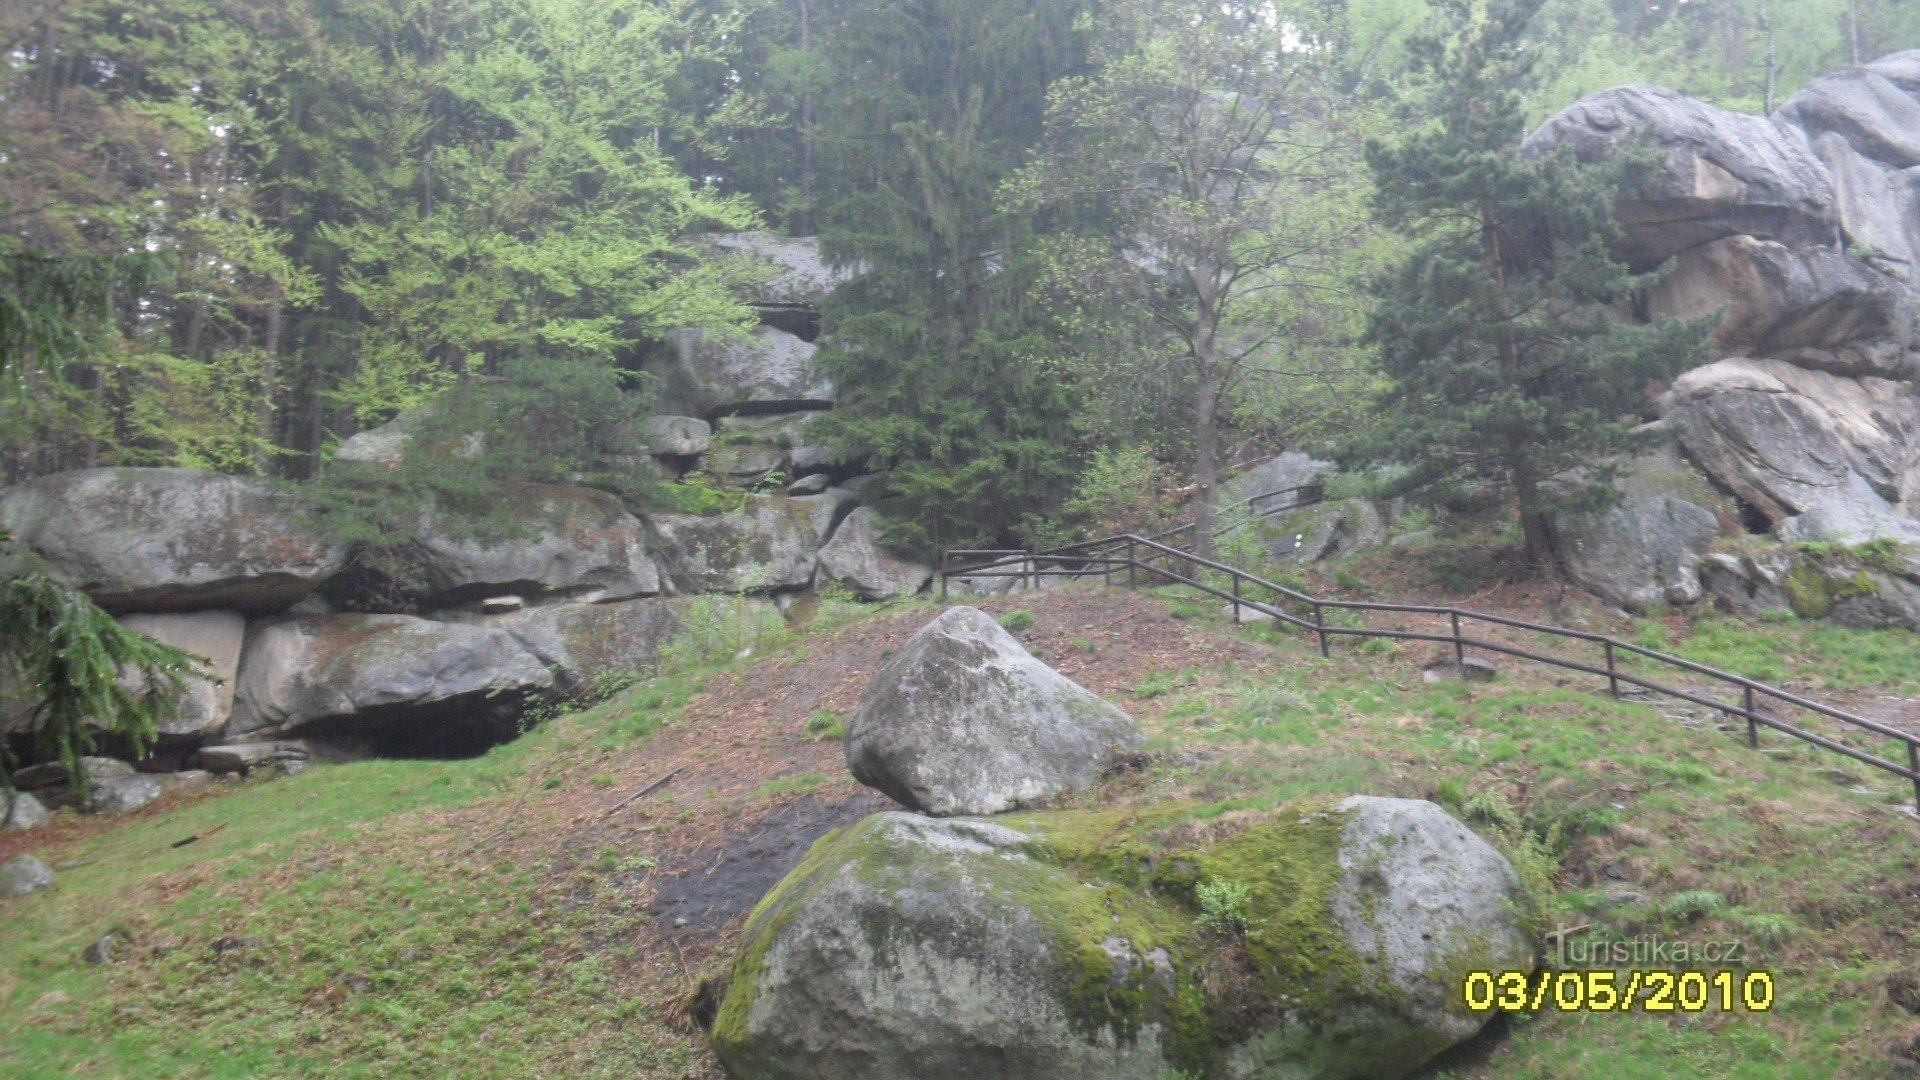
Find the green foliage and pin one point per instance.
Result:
(1015, 621)
(1502, 364)
(77, 670)
(1125, 490)
(826, 724)
(1223, 905)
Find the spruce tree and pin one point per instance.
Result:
(1503, 366)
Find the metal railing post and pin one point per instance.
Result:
(943, 577)
(1913, 765)
(1459, 643)
(1133, 583)
(1320, 626)
(1613, 680)
(1236, 598)
(1753, 726)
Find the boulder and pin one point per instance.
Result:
(749, 447)
(20, 810)
(1775, 299)
(810, 484)
(1642, 552)
(1318, 940)
(856, 559)
(553, 541)
(769, 543)
(580, 642)
(964, 720)
(709, 373)
(386, 446)
(245, 757)
(217, 636)
(793, 274)
(122, 794)
(113, 786)
(1332, 530)
(402, 685)
(172, 539)
(675, 436)
(23, 874)
(1748, 584)
(1822, 456)
(1282, 472)
(1722, 173)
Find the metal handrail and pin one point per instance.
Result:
(1107, 556)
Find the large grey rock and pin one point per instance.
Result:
(122, 794)
(246, 757)
(1822, 456)
(1776, 299)
(580, 642)
(749, 447)
(1282, 472)
(1640, 553)
(172, 539)
(857, 559)
(217, 637)
(769, 543)
(964, 720)
(910, 948)
(20, 810)
(707, 373)
(1722, 173)
(794, 275)
(676, 436)
(556, 541)
(23, 874)
(393, 680)
(1322, 531)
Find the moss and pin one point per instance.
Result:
(1807, 592)
(763, 925)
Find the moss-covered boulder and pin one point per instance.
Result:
(1325, 940)
(964, 720)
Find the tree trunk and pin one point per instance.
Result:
(803, 220)
(1534, 534)
(1206, 460)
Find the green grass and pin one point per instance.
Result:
(471, 964)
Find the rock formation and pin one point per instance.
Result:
(1317, 940)
(964, 720)
(1801, 233)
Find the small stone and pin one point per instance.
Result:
(229, 943)
(19, 810)
(101, 951)
(1472, 669)
(23, 874)
(187, 780)
(500, 605)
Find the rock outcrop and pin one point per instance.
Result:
(553, 542)
(1822, 456)
(172, 539)
(964, 720)
(858, 559)
(707, 374)
(770, 542)
(398, 684)
(1320, 940)
(206, 701)
(1643, 552)
(1801, 232)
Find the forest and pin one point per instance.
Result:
(237, 233)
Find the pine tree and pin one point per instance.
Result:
(1503, 366)
(72, 671)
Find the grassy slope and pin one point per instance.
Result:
(393, 938)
